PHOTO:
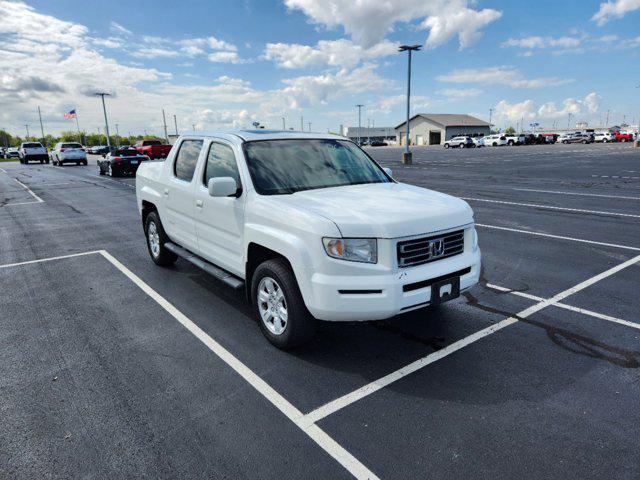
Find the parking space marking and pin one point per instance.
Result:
(49, 259)
(36, 197)
(328, 444)
(346, 400)
(551, 207)
(576, 193)
(583, 311)
(558, 237)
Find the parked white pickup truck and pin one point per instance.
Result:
(33, 151)
(313, 226)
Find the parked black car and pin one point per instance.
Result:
(124, 161)
(378, 143)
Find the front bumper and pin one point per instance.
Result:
(376, 297)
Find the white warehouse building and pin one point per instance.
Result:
(435, 128)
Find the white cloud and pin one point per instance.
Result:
(335, 53)
(225, 57)
(117, 28)
(368, 21)
(613, 9)
(543, 42)
(527, 110)
(459, 93)
(155, 53)
(500, 75)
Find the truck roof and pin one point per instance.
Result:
(252, 135)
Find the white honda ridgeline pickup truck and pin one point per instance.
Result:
(311, 224)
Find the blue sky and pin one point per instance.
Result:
(228, 64)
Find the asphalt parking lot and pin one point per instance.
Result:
(114, 367)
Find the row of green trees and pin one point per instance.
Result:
(87, 139)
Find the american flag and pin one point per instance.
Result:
(70, 115)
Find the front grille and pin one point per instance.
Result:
(429, 249)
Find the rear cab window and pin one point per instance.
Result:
(186, 160)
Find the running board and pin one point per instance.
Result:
(222, 275)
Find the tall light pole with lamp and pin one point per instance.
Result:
(359, 122)
(106, 122)
(406, 156)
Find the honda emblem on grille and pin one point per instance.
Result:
(436, 248)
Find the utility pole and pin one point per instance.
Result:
(26, 125)
(490, 115)
(78, 127)
(106, 122)
(193, 126)
(41, 127)
(175, 124)
(359, 122)
(406, 156)
(284, 125)
(309, 126)
(302, 124)
(606, 122)
(117, 136)
(164, 121)
(569, 121)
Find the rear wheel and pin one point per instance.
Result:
(156, 239)
(278, 305)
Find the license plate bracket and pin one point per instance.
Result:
(445, 290)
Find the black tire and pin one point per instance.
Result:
(100, 171)
(495, 144)
(85, 163)
(623, 140)
(462, 145)
(47, 161)
(446, 145)
(164, 258)
(300, 325)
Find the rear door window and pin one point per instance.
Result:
(187, 159)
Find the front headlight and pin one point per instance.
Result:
(474, 234)
(363, 250)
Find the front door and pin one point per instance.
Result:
(178, 195)
(220, 220)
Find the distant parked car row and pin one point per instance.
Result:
(501, 139)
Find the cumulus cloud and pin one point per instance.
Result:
(368, 21)
(515, 112)
(459, 93)
(501, 75)
(614, 9)
(335, 53)
(543, 42)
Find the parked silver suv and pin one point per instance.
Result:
(460, 142)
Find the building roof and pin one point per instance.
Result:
(450, 120)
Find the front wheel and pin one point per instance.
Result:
(462, 145)
(278, 305)
(623, 140)
(156, 239)
(446, 145)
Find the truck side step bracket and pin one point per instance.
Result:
(222, 275)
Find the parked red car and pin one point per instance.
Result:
(624, 137)
(152, 148)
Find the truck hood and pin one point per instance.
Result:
(383, 210)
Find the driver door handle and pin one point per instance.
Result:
(166, 192)
(199, 203)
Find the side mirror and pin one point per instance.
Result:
(389, 172)
(222, 186)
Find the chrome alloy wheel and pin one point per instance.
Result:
(154, 239)
(272, 305)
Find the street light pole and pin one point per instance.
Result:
(175, 124)
(309, 126)
(359, 123)
(406, 156)
(117, 136)
(284, 125)
(26, 125)
(164, 122)
(41, 127)
(490, 115)
(106, 122)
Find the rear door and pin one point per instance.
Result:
(178, 194)
(220, 220)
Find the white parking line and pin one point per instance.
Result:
(559, 237)
(551, 207)
(583, 311)
(38, 199)
(328, 444)
(575, 193)
(342, 402)
(49, 259)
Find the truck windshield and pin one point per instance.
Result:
(289, 166)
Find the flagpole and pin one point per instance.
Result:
(78, 125)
